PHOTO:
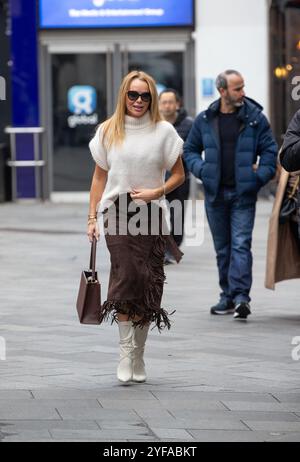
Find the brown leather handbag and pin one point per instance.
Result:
(89, 295)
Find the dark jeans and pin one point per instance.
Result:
(231, 224)
(182, 194)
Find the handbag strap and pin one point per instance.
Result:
(93, 258)
(295, 187)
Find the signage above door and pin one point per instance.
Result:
(74, 14)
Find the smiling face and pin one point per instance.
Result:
(139, 107)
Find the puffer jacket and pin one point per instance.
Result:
(255, 140)
(290, 151)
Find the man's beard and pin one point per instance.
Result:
(235, 103)
(238, 104)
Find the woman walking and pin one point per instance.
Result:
(132, 150)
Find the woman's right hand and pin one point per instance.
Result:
(93, 230)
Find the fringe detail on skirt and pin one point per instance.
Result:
(145, 308)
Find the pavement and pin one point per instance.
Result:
(210, 378)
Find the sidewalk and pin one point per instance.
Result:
(210, 378)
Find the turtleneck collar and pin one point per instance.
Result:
(136, 123)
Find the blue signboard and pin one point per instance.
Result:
(115, 13)
(208, 87)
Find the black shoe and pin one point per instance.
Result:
(242, 310)
(222, 308)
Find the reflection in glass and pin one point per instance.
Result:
(79, 104)
(165, 67)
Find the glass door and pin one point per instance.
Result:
(79, 104)
(165, 66)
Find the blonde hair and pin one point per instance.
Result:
(114, 127)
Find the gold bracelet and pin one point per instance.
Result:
(92, 220)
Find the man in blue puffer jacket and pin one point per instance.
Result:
(231, 148)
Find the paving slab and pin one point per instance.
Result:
(15, 394)
(289, 437)
(215, 396)
(273, 426)
(250, 406)
(210, 378)
(233, 415)
(17, 426)
(287, 397)
(172, 434)
(101, 394)
(229, 436)
(27, 409)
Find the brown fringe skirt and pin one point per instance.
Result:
(137, 263)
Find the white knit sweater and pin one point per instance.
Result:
(141, 160)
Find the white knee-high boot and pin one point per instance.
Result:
(124, 372)
(139, 339)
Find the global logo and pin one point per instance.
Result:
(82, 99)
(82, 103)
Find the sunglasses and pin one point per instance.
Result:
(134, 95)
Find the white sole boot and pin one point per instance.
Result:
(124, 372)
(139, 340)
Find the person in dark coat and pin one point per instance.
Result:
(290, 160)
(290, 151)
(283, 249)
(171, 110)
(240, 158)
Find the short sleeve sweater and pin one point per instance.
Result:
(148, 150)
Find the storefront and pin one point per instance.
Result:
(83, 55)
(68, 59)
(284, 63)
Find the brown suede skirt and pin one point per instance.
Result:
(136, 239)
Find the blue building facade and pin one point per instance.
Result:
(24, 90)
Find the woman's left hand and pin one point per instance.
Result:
(146, 195)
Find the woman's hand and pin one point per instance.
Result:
(293, 180)
(146, 195)
(93, 230)
(297, 173)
